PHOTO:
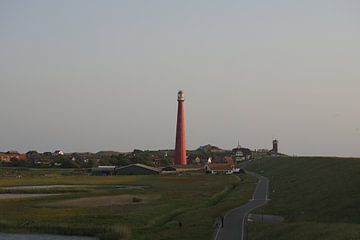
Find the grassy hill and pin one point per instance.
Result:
(319, 198)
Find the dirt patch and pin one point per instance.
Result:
(106, 200)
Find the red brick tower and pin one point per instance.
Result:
(180, 147)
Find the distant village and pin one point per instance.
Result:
(208, 158)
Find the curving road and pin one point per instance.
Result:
(235, 219)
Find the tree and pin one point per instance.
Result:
(66, 162)
(17, 162)
(165, 162)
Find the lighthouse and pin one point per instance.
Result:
(180, 146)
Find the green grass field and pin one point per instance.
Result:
(319, 198)
(151, 213)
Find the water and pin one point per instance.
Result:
(10, 236)
(4, 196)
(43, 187)
(130, 187)
(125, 187)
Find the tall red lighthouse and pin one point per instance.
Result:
(180, 146)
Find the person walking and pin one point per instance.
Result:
(222, 221)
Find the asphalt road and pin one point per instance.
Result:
(235, 219)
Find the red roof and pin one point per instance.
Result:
(6, 157)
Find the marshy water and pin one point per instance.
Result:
(10, 236)
(129, 187)
(4, 196)
(111, 200)
(35, 187)
(43, 187)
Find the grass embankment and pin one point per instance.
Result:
(195, 200)
(319, 198)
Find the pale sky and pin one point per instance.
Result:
(104, 75)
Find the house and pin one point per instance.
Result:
(6, 157)
(229, 159)
(197, 160)
(47, 154)
(156, 161)
(43, 163)
(263, 151)
(136, 169)
(59, 153)
(241, 154)
(33, 156)
(220, 168)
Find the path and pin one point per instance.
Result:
(235, 219)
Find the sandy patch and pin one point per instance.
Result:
(4, 196)
(106, 200)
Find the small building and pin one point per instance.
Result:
(103, 171)
(220, 168)
(136, 169)
(47, 154)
